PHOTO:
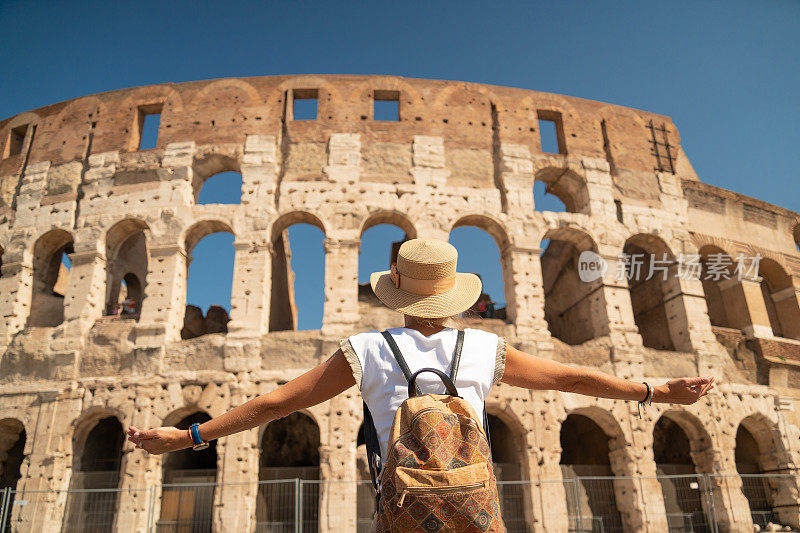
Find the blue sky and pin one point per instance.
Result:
(727, 72)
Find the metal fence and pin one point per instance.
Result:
(691, 503)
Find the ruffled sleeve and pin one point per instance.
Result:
(352, 359)
(500, 360)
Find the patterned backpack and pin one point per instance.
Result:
(438, 475)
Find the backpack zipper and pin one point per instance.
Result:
(456, 488)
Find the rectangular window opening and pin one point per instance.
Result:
(149, 122)
(386, 106)
(16, 139)
(304, 104)
(551, 132)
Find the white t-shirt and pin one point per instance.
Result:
(383, 386)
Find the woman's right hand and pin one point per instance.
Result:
(159, 440)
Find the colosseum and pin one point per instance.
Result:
(76, 182)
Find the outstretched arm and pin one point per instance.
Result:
(315, 386)
(531, 372)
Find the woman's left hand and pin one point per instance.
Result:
(684, 391)
(159, 440)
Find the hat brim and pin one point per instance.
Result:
(461, 297)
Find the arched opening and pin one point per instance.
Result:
(96, 466)
(780, 298)
(481, 245)
(545, 200)
(127, 260)
(507, 463)
(221, 188)
(189, 507)
(298, 273)
(216, 179)
(51, 267)
(654, 291)
(210, 257)
(680, 486)
(754, 487)
(727, 307)
(564, 184)
(573, 295)
(289, 450)
(12, 454)
(584, 452)
(381, 238)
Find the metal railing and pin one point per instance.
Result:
(674, 503)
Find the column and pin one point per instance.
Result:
(787, 307)
(522, 272)
(338, 493)
(251, 287)
(16, 291)
(516, 177)
(340, 310)
(235, 496)
(140, 472)
(622, 330)
(164, 305)
(85, 298)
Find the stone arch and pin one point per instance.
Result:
(586, 450)
(209, 165)
(12, 456)
(71, 127)
(283, 313)
(682, 449)
(50, 278)
(796, 235)
(564, 181)
(575, 310)
(378, 248)
(127, 261)
(655, 292)
(201, 229)
(188, 506)
(757, 454)
(289, 448)
(780, 299)
(234, 91)
(395, 218)
(97, 460)
(500, 236)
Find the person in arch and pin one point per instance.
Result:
(424, 285)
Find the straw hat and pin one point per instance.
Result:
(424, 282)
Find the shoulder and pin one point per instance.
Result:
(365, 340)
(481, 335)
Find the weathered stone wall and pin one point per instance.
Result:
(460, 154)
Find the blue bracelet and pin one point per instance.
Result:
(198, 443)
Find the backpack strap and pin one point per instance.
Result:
(397, 355)
(456, 356)
(373, 447)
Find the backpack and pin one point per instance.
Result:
(438, 475)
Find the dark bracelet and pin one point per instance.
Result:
(648, 399)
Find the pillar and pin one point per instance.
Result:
(340, 310)
(250, 295)
(164, 304)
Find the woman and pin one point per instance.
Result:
(423, 285)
